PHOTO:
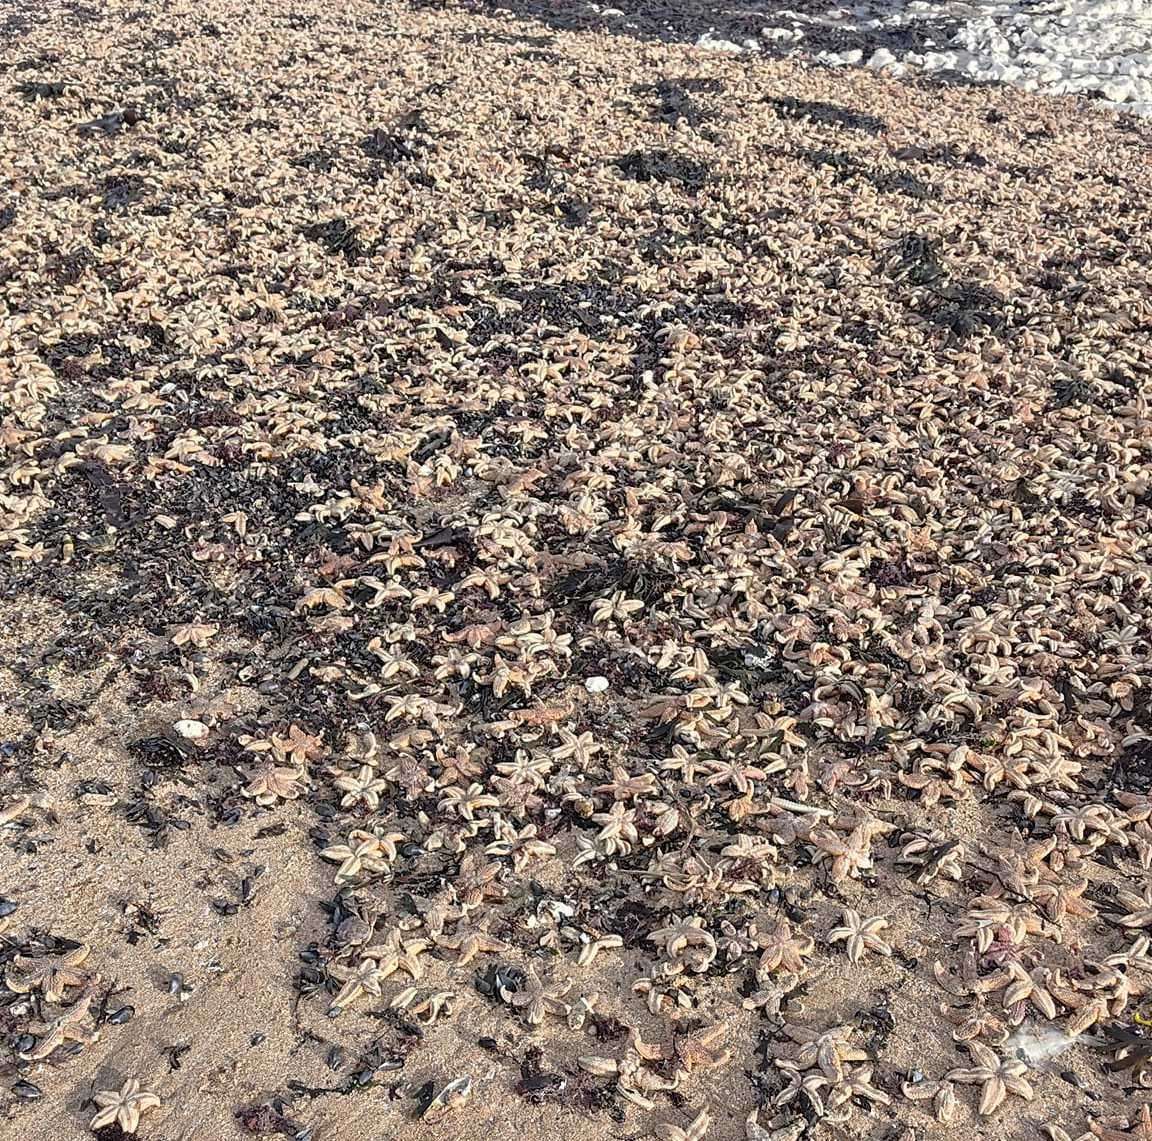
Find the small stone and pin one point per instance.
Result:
(191, 730)
(596, 684)
(881, 57)
(716, 44)
(1118, 91)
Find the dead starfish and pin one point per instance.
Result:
(783, 950)
(538, 998)
(73, 1025)
(693, 1051)
(998, 1077)
(861, 934)
(50, 974)
(366, 977)
(634, 1081)
(123, 1106)
(1139, 1128)
(829, 1049)
(695, 1131)
(468, 942)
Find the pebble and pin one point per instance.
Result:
(716, 44)
(1100, 48)
(191, 730)
(596, 684)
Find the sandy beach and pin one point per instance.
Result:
(557, 584)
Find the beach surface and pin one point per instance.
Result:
(560, 584)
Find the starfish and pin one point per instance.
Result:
(51, 974)
(1022, 987)
(861, 935)
(940, 1093)
(74, 1025)
(194, 634)
(1140, 908)
(782, 949)
(975, 1021)
(590, 950)
(681, 934)
(424, 1010)
(123, 1106)
(754, 1131)
(271, 783)
(849, 855)
(694, 1052)
(396, 953)
(469, 942)
(804, 1088)
(829, 1049)
(366, 977)
(363, 787)
(696, 1130)
(1060, 900)
(299, 746)
(857, 1084)
(998, 1077)
(364, 852)
(1139, 1128)
(538, 998)
(634, 1082)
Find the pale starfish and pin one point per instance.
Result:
(829, 1049)
(73, 1025)
(123, 1106)
(695, 1131)
(395, 953)
(367, 977)
(468, 942)
(1138, 1128)
(861, 934)
(50, 974)
(271, 783)
(783, 950)
(694, 1051)
(998, 1077)
(538, 998)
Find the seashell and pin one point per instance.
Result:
(455, 1094)
(191, 730)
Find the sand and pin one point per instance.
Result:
(377, 377)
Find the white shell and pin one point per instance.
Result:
(191, 730)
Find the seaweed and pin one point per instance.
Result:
(827, 114)
(664, 167)
(338, 236)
